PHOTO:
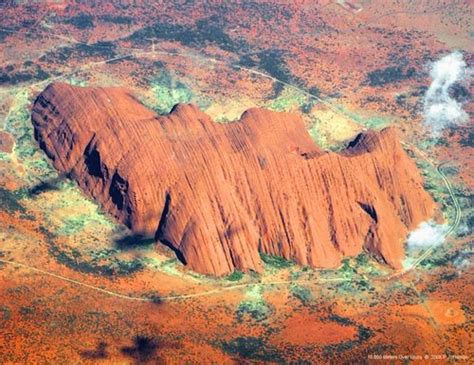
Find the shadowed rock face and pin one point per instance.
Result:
(218, 194)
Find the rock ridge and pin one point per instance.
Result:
(220, 194)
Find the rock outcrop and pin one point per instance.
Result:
(218, 194)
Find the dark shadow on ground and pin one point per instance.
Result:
(143, 350)
(132, 241)
(154, 298)
(46, 185)
(100, 352)
(178, 253)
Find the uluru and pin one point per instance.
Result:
(219, 194)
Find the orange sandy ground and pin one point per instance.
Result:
(48, 320)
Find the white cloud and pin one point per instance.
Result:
(427, 234)
(440, 109)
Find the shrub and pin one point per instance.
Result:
(81, 21)
(253, 348)
(235, 276)
(275, 261)
(257, 310)
(9, 202)
(304, 295)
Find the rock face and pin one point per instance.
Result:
(218, 194)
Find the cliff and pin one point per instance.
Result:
(218, 194)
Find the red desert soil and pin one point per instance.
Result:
(297, 331)
(6, 142)
(218, 194)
